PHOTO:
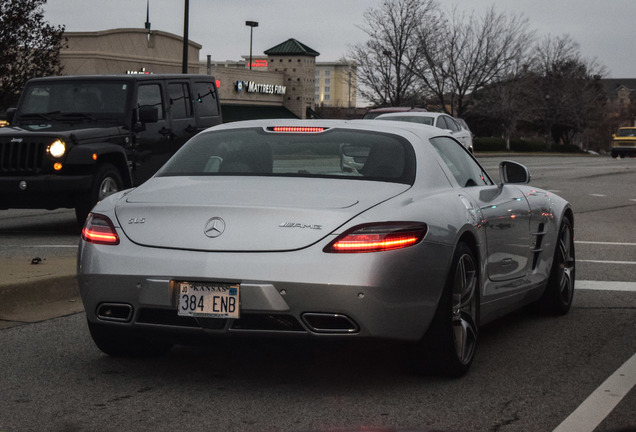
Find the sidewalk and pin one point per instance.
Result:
(31, 292)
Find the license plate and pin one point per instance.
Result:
(209, 300)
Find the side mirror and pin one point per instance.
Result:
(513, 172)
(148, 114)
(11, 114)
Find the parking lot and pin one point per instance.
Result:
(531, 372)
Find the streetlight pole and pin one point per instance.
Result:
(251, 25)
(388, 54)
(186, 13)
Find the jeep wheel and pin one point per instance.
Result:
(106, 182)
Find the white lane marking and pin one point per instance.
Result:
(606, 262)
(40, 246)
(598, 195)
(52, 246)
(605, 285)
(604, 243)
(602, 401)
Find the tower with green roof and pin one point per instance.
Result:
(298, 63)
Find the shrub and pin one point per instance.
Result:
(489, 144)
(520, 145)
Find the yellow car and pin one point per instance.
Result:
(624, 142)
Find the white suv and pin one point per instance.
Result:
(456, 127)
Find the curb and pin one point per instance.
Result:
(33, 292)
(38, 292)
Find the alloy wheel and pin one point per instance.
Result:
(464, 309)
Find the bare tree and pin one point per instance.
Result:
(384, 75)
(505, 103)
(469, 53)
(568, 95)
(30, 46)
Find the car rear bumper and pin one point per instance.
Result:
(284, 294)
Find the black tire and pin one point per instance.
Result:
(106, 182)
(558, 295)
(449, 346)
(123, 343)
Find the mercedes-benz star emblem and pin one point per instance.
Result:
(214, 227)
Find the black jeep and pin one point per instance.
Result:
(74, 140)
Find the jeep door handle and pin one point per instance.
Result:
(165, 132)
(190, 129)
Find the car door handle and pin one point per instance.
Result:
(165, 132)
(190, 129)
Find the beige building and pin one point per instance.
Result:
(282, 83)
(335, 84)
(126, 51)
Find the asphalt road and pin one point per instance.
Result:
(531, 372)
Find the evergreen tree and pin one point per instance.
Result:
(29, 47)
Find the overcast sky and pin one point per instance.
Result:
(605, 29)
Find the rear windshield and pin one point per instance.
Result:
(333, 153)
(103, 99)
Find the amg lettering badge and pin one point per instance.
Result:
(299, 225)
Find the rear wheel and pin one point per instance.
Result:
(106, 182)
(122, 343)
(449, 346)
(558, 295)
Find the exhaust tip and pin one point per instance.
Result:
(329, 323)
(120, 312)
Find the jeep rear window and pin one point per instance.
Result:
(88, 97)
(333, 153)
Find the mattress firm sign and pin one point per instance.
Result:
(254, 87)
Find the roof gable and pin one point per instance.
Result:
(292, 47)
(614, 85)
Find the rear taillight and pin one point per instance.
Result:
(99, 229)
(378, 237)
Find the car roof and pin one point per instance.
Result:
(412, 114)
(397, 109)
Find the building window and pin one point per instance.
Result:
(327, 89)
(327, 73)
(327, 80)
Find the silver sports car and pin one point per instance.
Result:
(324, 229)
